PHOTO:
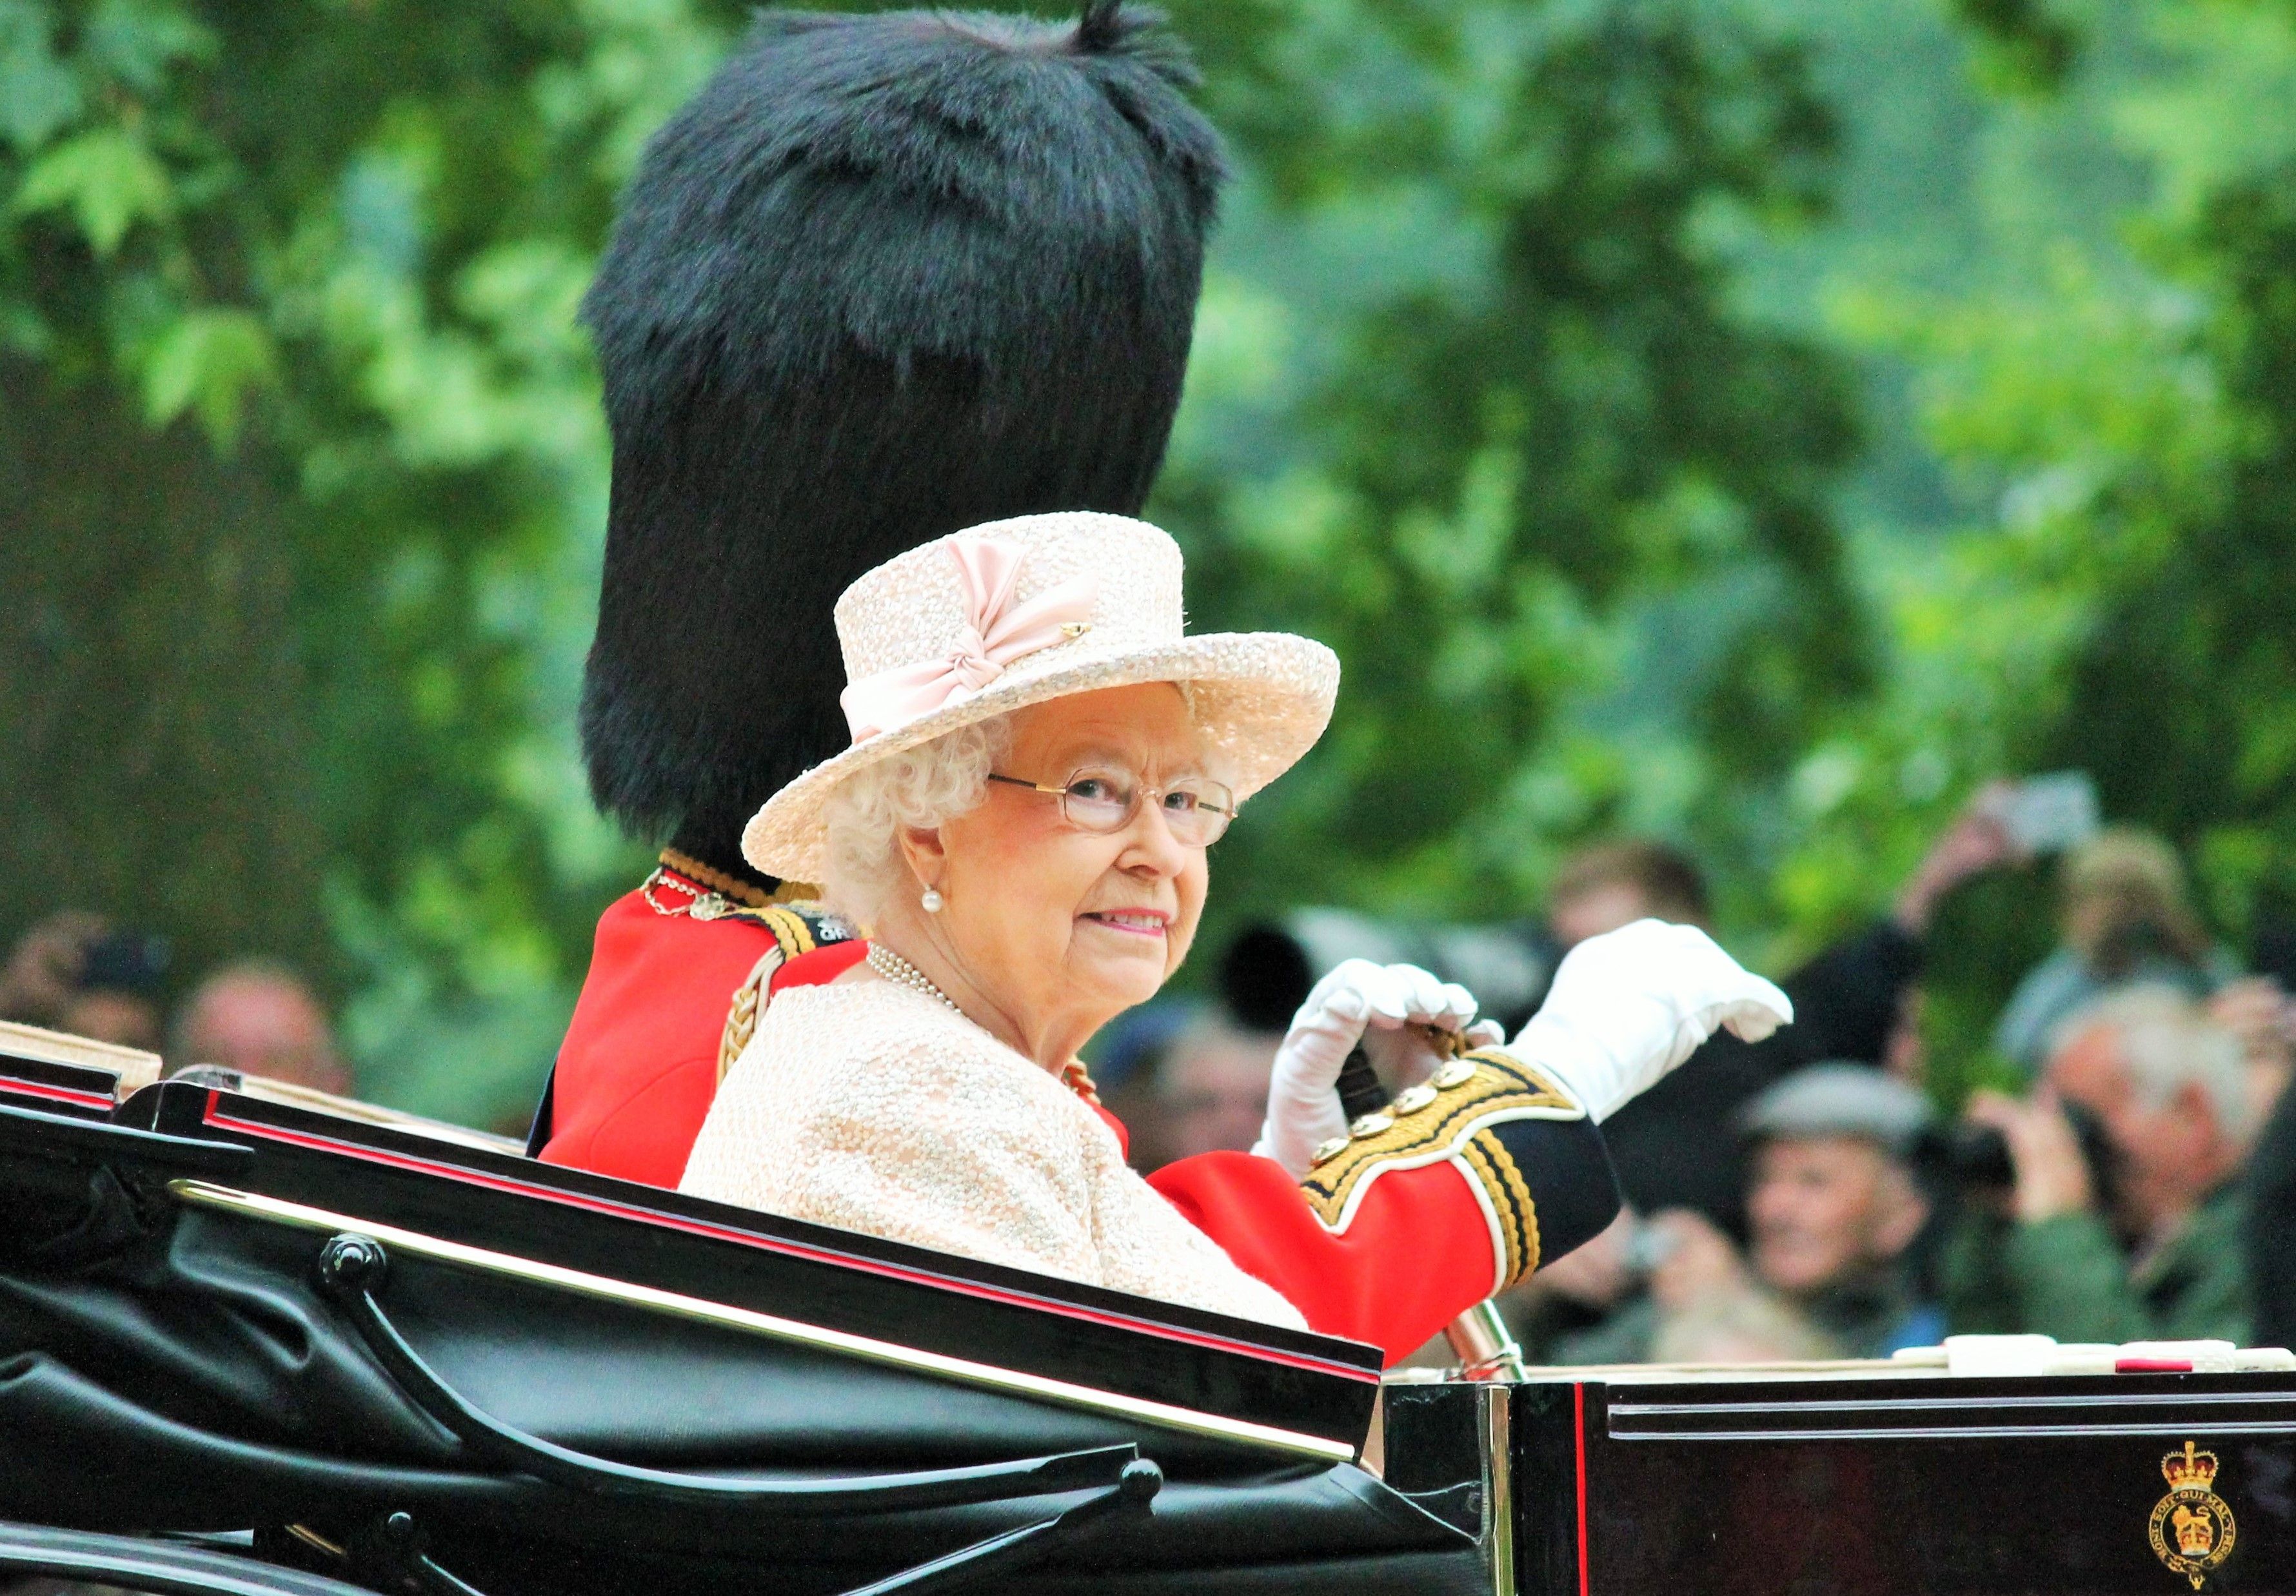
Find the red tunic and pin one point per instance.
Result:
(640, 1066)
(1416, 1256)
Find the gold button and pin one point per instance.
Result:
(1458, 1072)
(1330, 1150)
(1414, 1098)
(1371, 1124)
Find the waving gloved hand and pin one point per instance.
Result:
(1631, 1004)
(1359, 1001)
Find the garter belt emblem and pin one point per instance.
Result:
(2191, 1526)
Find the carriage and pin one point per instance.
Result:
(256, 1341)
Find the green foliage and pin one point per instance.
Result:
(2101, 575)
(347, 246)
(2032, 44)
(1504, 453)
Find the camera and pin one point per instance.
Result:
(1975, 1157)
(128, 960)
(1267, 970)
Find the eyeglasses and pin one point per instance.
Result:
(1093, 799)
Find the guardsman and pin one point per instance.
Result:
(883, 278)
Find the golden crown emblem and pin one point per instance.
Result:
(2189, 1469)
(2192, 1530)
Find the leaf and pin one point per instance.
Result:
(137, 40)
(106, 178)
(209, 360)
(38, 93)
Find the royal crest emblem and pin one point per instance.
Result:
(2192, 1528)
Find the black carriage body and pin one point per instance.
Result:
(626, 1389)
(170, 1361)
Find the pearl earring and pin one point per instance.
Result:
(933, 900)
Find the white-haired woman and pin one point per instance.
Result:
(1041, 760)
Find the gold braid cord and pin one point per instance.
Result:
(792, 937)
(1454, 1115)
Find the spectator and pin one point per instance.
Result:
(1837, 1204)
(72, 972)
(42, 971)
(1835, 1207)
(1613, 884)
(116, 996)
(2127, 920)
(1582, 1309)
(1853, 1001)
(260, 1018)
(2170, 1090)
(1211, 1090)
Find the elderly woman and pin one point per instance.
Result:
(1041, 760)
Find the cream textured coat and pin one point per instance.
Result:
(874, 1107)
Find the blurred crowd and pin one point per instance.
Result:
(2131, 1175)
(78, 973)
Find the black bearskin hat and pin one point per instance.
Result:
(883, 278)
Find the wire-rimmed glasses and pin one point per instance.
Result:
(1104, 800)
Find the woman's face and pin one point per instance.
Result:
(1058, 927)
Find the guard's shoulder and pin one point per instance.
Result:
(798, 925)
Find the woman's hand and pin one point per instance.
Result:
(1631, 1004)
(1359, 1001)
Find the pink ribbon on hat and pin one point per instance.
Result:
(999, 632)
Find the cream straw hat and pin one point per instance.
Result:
(1016, 612)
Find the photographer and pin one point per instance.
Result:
(43, 972)
(73, 972)
(2157, 1257)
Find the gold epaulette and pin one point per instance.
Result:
(1451, 1115)
(793, 931)
(797, 927)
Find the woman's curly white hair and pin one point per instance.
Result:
(926, 786)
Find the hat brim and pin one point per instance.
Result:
(1261, 700)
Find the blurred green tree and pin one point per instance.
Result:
(2098, 373)
(313, 469)
(1556, 410)
(305, 454)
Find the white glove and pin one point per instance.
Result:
(1631, 1004)
(1359, 1001)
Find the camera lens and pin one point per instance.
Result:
(1978, 1154)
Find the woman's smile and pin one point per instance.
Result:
(1154, 923)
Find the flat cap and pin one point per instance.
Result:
(1840, 1099)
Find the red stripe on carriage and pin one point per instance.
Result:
(62, 1094)
(1578, 1437)
(821, 1254)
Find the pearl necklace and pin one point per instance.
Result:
(898, 970)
